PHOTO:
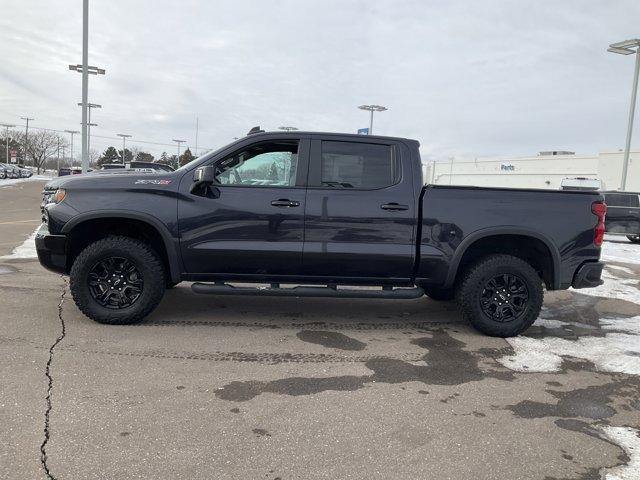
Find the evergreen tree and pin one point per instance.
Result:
(186, 157)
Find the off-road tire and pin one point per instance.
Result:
(473, 283)
(142, 256)
(634, 238)
(440, 294)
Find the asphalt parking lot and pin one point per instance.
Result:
(267, 388)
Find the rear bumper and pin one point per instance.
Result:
(588, 275)
(52, 250)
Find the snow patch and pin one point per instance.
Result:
(629, 440)
(6, 182)
(614, 287)
(617, 249)
(26, 250)
(617, 351)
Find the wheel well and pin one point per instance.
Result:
(92, 230)
(532, 250)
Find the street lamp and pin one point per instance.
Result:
(124, 140)
(628, 47)
(288, 129)
(179, 142)
(86, 70)
(72, 132)
(372, 108)
(26, 137)
(7, 127)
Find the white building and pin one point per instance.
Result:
(546, 170)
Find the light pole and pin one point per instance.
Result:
(628, 47)
(72, 132)
(197, 127)
(26, 136)
(86, 70)
(89, 125)
(179, 142)
(7, 127)
(288, 129)
(372, 108)
(124, 140)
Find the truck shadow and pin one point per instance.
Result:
(183, 307)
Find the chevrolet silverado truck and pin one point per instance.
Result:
(317, 214)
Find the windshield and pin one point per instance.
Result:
(209, 154)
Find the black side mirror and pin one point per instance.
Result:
(203, 178)
(205, 175)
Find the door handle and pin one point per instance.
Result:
(393, 206)
(284, 202)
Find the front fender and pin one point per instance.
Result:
(171, 244)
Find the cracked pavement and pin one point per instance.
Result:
(287, 388)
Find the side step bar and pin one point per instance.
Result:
(330, 291)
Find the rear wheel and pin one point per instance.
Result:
(500, 295)
(634, 238)
(117, 280)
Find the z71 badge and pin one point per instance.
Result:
(152, 182)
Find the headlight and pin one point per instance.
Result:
(59, 195)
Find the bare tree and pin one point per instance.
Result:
(94, 156)
(42, 146)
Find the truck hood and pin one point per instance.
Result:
(119, 178)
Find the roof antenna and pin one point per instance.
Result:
(255, 130)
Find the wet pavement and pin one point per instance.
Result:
(250, 387)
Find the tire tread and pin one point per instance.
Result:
(145, 255)
(474, 279)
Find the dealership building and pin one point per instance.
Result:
(545, 170)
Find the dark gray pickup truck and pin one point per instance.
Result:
(330, 213)
(623, 214)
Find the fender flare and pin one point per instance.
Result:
(167, 238)
(493, 231)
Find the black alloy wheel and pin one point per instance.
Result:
(115, 283)
(504, 297)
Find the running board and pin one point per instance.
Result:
(330, 291)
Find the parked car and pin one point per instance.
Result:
(327, 211)
(24, 172)
(623, 214)
(3, 171)
(11, 171)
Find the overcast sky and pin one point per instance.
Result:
(466, 78)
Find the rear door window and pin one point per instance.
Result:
(358, 165)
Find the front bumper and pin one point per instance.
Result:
(52, 250)
(588, 275)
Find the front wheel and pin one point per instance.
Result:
(634, 238)
(117, 280)
(500, 295)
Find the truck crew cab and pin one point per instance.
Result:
(322, 211)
